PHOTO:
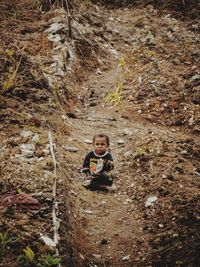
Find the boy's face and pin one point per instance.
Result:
(100, 145)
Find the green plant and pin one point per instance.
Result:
(5, 239)
(18, 191)
(11, 76)
(115, 97)
(28, 258)
(49, 261)
(141, 152)
(122, 63)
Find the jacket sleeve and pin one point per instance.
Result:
(86, 164)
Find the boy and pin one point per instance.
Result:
(98, 163)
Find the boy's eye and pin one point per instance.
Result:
(100, 144)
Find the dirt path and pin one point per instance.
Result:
(113, 225)
(111, 218)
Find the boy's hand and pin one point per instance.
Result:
(99, 166)
(109, 165)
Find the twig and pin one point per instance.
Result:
(56, 221)
(68, 18)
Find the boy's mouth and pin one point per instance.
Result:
(99, 150)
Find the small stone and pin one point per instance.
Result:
(196, 101)
(184, 152)
(36, 138)
(26, 134)
(196, 77)
(98, 72)
(104, 241)
(179, 122)
(120, 142)
(170, 177)
(126, 258)
(97, 256)
(71, 149)
(88, 141)
(128, 154)
(81, 256)
(88, 212)
(47, 196)
(150, 201)
(126, 131)
(27, 150)
(197, 173)
(191, 121)
(72, 115)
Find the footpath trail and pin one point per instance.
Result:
(111, 222)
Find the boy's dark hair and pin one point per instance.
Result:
(102, 136)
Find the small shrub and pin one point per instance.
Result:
(49, 261)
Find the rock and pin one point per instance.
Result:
(196, 101)
(92, 104)
(104, 241)
(197, 173)
(179, 122)
(150, 39)
(98, 72)
(28, 150)
(48, 241)
(26, 134)
(14, 142)
(71, 149)
(97, 256)
(196, 77)
(72, 115)
(88, 212)
(127, 131)
(170, 177)
(88, 141)
(47, 196)
(120, 142)
(126, 258)
(54, 28)
(191, 121)
(150, 201)
(81, 256)
(128, 154)
(36, 138)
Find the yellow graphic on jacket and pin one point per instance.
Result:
(96, 165)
